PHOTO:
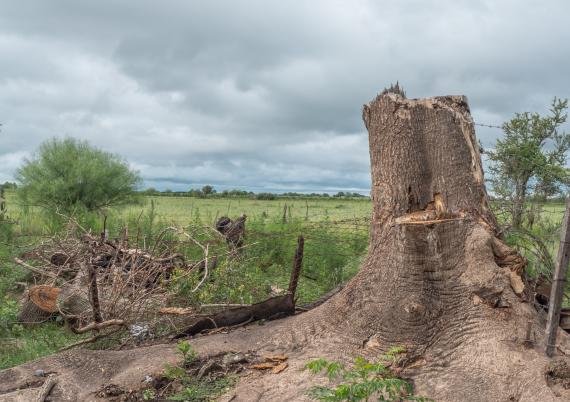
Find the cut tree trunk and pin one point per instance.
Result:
(437, 279)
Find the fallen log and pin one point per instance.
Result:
(265, 310)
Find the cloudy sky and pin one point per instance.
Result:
(261, 95)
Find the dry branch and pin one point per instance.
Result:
(35, 270)
(98, 326)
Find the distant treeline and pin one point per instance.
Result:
(211, 192)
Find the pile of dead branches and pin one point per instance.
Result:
(96, 283)
(105, 286)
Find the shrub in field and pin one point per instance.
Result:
(70, 175)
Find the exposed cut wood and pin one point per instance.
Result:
(45, 297)
(279, 368)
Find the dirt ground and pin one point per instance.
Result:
(82, 374)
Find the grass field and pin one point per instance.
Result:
(182, 211)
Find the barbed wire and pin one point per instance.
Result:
(487, 125)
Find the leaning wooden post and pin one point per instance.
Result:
(558, 284)
(94, 293)
(297, 264)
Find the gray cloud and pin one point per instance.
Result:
(261, 94)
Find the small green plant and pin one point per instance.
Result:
(363, 381)
(187, 351)
(149, 394)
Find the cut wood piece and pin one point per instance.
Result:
(275, 307)
(263, 366)
(279, 368)
(45, 297)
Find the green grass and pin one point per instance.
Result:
(185, 210)
(30, 343)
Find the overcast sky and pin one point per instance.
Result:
(262, 95)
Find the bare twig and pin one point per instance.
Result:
(35, 270)
(98, 326)
(205, 270)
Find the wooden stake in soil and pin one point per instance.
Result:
(94, 294)
(297, 264)
(558, 284)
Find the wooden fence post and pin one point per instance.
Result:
(94, 294)
(297, 264)
(558, 284)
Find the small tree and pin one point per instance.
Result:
(70, 174)
(530, 159)
(207, 190)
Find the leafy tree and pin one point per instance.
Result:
(265, 196)
(207, 190)
(68, 174)
(530, 159)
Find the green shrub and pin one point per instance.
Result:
(364, 380)
(71, 176)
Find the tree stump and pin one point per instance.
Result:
(437, 279)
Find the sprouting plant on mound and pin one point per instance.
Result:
(364, 381)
